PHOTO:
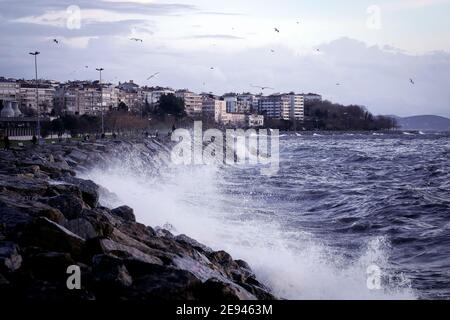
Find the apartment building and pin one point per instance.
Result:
(192, 101)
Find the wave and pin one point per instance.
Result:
(196, 202)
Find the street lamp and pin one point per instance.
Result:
(101, 98)
(38, 128)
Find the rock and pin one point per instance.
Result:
(10, 259)
(82, 228)
(70, 206)
(51, 236)
(78, 156)
(23, 185)
(111, 271)
(16, 212)
(110, 247)
(125, 212)
(100, 222)
(89, 190)
(216, 290)
(163, 233)
(167, 284)
(51, 266)
(193, 243)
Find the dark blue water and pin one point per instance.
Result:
(340, 204)
(347, 189)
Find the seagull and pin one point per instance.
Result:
(271, 50)
(136, 39)
(86, 67)
(338, 84)
(412, 81)
(318, 50)
(276, 30)
(153, 75)
(262, 88)
(55, 41)
(212, 68)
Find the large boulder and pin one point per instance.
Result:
(46, 234)
(69, 205)
(124, 212)
(89, 190)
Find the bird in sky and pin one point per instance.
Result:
(153, 75)
(86, 67)
(318, 50)
(262, 88)
(56, 41)
(277, 30)
(338, 84)
(271, 50)
(136, 39)
(212, 68)
(412, 81)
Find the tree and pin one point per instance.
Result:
(170, 104)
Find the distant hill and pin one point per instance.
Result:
(424, 123)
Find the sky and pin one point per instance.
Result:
(372, 49)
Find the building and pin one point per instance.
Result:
(193, 102)
(310, 98)
(283, 106)
(247, 103)
(9, 89)
(255, 120)
(83, 97)
(151, 96)
(27, 96)
(130, 94)
(234, 119)
(213, 108)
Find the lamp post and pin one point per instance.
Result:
(38, 127)
(101, 98)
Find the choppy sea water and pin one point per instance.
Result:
(339, 204)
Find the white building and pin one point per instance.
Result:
(192, 102)
(214, 108)
(283, 106)
(27, 96)
(9, 89)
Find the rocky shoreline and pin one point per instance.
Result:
(50, 220)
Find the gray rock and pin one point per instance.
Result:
(89, 190)
(51, 236)
(111, 271)
(69, 205)
(10, 259)
(125, 212)
(82, 228)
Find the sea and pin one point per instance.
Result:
(348, 215)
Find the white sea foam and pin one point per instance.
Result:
(293, 264)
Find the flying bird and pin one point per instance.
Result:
(271, 50)
(338, 84)
(412, 81)
(136, 39)
(153, 75)
(55, 41)
(262, 88)
(277, 30)
(86, 67)
(212, 68)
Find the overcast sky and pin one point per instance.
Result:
(371, 48)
